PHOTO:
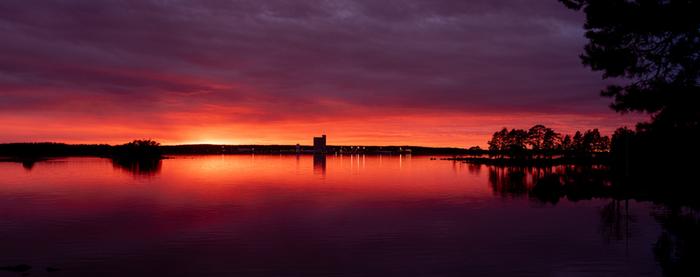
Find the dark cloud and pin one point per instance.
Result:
(295, 58)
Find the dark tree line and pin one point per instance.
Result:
(541, 139)
(137, 149)
(138, 156)
(651, 49)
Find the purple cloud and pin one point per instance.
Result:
(291, 59)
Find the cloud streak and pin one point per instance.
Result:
(265, 64)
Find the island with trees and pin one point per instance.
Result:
(541, 145)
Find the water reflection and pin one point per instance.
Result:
(678, 248)
(575, 183)
(616, 221)
(268, 215)
(550, 184)
(320, 164)
(144, 167)
(474, 169)
(28, 165)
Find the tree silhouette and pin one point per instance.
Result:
(577, 142)
(552, 140)
(655, 46)
(498, 140)
(566, 143)
(540, 143)
(516, 140)
(513, 141)
(594, 142)
(138, 150)
(535, 136)
(541, 138)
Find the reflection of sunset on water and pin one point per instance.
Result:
(387, 211)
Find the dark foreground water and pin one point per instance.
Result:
(306, 216)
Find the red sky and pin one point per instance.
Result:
(416, 72)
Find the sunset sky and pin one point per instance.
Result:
(390, 72)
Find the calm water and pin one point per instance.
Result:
(305, 216)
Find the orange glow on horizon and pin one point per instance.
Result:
(437, 130)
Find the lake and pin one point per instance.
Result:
(286, 215)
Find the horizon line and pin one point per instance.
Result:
(214, 144)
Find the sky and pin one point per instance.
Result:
(364, 72)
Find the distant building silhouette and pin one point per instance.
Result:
(320, 144)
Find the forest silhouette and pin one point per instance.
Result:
(651, 51)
